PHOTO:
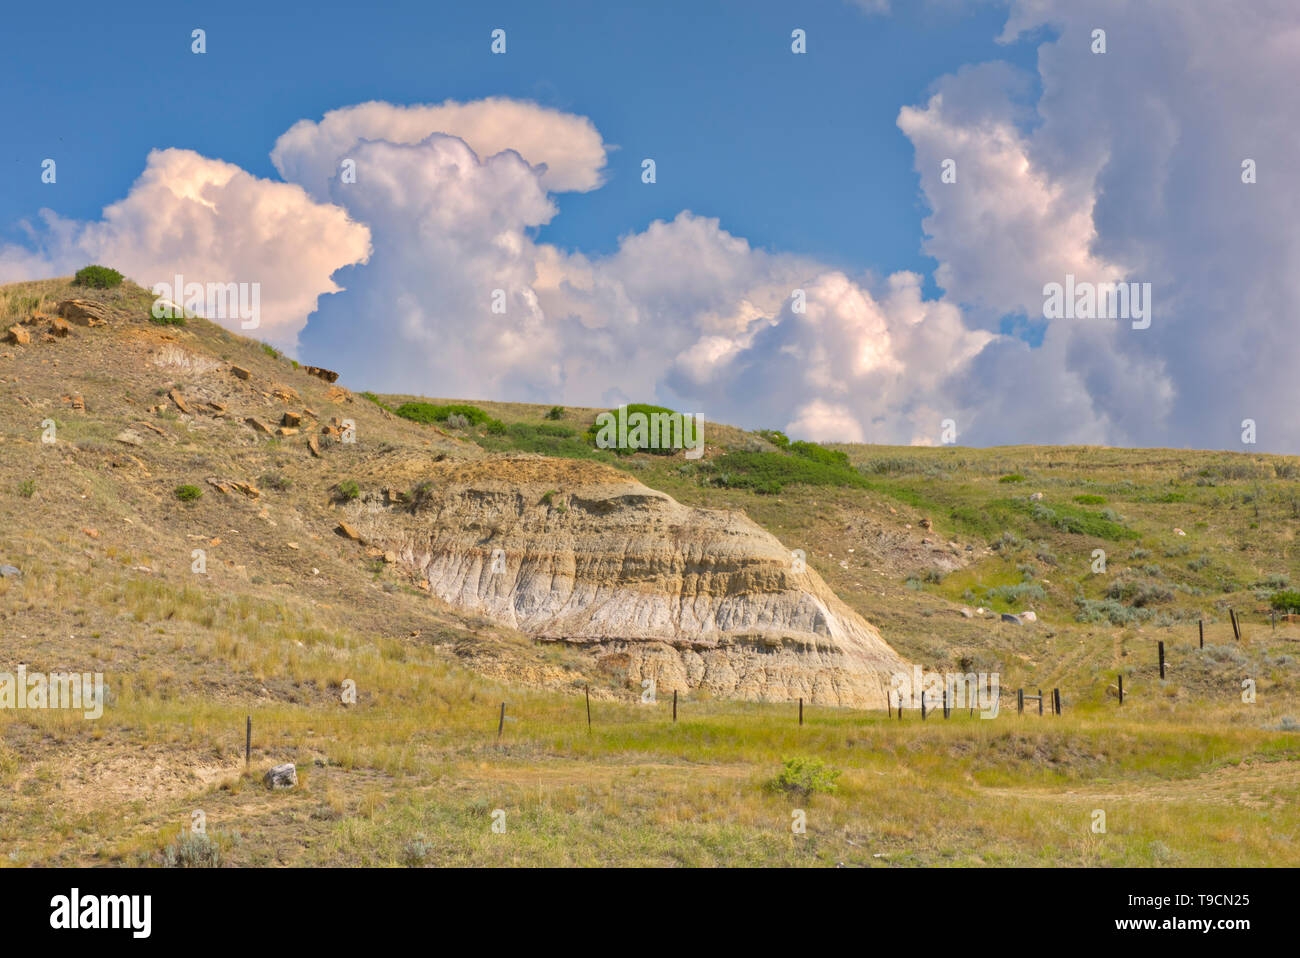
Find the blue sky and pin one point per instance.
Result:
(783, 180)
(798, 154)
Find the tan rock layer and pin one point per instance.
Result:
(577, 552)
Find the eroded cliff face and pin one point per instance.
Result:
(577, 552)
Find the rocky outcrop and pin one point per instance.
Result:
(577, 552)
(84, 312)
(328, 375)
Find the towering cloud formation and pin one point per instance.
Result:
(212, 222)
(1128, 167)
(683, 311)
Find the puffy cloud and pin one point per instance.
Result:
(1127, 167)
(852, 365)
(1130, 165)
(211, 222)
(1006, 226)
(449, 232)
(568, 146)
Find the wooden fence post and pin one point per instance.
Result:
(501, 724)
(801, 711)
(587, 691)
(1200, 626)
(923, 704)
(1040, 701)
(1121, 688)
(674, 705)
(1056, 700)
(1020, 701)
(248, 742)
(900, 705)
(945, 701)
(1161, 647)
(889, 703)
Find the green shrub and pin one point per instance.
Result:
(555, 412)
(27, 488)
(1088, 499)
(188, 493)
(1068, 518)
(827, 457)
(770, 472)
(546, 438)
(805, 776)
(1287, 600)
(347, 490)
(376, 400)
(775, 436)
(427, 413)
(97, 277)
(1012, 477)
(687, 436)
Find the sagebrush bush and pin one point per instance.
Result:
(1109, 610)
(195, 850)
(187, 493)
(416, 852)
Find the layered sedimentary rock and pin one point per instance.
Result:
(577, 552)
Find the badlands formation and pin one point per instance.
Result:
(576, 552)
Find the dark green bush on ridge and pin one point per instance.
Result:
(687, 436)
(549, 439)
(97, 277)
(770, 472)
(187, 493)
(827, 457)
(430, 413)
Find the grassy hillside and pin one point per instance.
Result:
(287, 611)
